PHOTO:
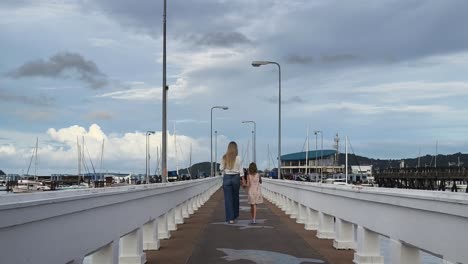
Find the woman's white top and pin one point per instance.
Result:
(237, 169)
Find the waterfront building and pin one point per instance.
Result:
(313, 162)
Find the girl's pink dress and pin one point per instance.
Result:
(255, 191)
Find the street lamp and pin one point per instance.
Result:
(321, 151)
(254, 141)
(216, 152)
(164, 103)
(211, 135)
(258, 64)
(147, 154)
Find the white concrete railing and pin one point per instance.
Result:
(434, 222)
(109, 225)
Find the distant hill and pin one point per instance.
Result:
(198, 168)
(2, 173)
(425, 161)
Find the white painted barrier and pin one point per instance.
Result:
(108, 225)
(414, 220)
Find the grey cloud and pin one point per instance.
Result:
(58, 65)
(15, 3)
(297, 59)
(291, 100)
(359, 33)
(338, 58)
(204, 18)
(39, 100)
(99, 115)
(295, 99)
(35, 116)
(222, 39)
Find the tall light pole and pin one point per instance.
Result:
(216, 152)
(254, 140)
(147, 155)
(321, 151)
(258, 64)
(211, 135)
(164, 104)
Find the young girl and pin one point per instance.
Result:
(254, 191)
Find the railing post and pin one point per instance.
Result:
(179, 219)
(326, 226)
(190, 206)
(368, 247)
(163, 232)
(185, 213)
(402, 253)
(302, 214)
(150, 235)
(344, 235)
(311, 220)
(284, 203)
(108, 254)
(294, 210)
(289, 208)
(171, 225)
(131, 248)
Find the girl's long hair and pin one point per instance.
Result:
(230, 157)
(253, 168)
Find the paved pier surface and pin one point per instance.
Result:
(276, 239)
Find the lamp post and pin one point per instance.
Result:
(321, 151)
(164, 103)
(147, 155)
(216, 152)
(258, 64)
(254, 140)
(211, 135)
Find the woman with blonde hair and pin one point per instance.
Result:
(231, 165)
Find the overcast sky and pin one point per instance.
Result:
(390, 75)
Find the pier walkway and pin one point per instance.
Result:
(183, 222)
(206, 238)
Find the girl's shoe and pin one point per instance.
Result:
(253, 222)
(231, 222)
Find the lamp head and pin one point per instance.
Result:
(259, 63)
(225, 108)
(150, 132)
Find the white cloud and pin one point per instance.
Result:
(102, 42)
(57, 152)
(378, 109)
(415, 90)
(7, 150)
(178, 91)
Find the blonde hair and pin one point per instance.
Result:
(230, 157)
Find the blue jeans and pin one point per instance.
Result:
(231, 185)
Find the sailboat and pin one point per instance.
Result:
(27, 185)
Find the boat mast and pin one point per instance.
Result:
(190, 161)
(419, 158)
(35, 159)
(307, 152)
(268, 147)
(83, 160)
(346, 151)
(175, 147)
(102, 154)
(435, 164)
(78, 149)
